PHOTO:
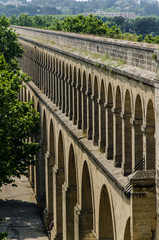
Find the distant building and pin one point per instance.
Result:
(114, 14)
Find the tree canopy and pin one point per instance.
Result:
(18, 120)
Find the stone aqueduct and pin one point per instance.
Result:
(97, 175)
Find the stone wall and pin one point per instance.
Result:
(141, 55)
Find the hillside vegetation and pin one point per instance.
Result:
(141, 29)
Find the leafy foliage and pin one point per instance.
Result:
(18, 120)
(9, 46)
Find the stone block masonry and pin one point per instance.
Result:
(95, 176)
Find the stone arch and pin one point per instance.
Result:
(51, 77)
(95, 113)
(37, 168)
(71, 195)
(32, 167)
(84, 104)
(60, 178)
(63, 87)
(59, 88)
(79, 101)
(118, 129)
(127, 153)
(56, 83)
(40, 69)
(138, 132)
(66, 91)
(102, 119)
(105, 216)
(70, 94)
(86, 217)
(89, 105)
(74, 96)
(109, 139)
(49, 172)
(150, 139)
(44, 73)
(127, 234)
(42, 160)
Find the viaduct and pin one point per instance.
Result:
(97, 176)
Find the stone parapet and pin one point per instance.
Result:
(142, 55)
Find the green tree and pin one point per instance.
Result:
(18, 120)
(9, 46)
(145, 25)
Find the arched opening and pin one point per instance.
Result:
(102, 123)
(21, 95)
(127, 234)
(89, 105)
(28, 96)
(86, 217)
(37, 169)
(150, 139)
(53, 79)
(105, 216)
(44, 74)
(127, 157)
(110, 123)
(70, 94)
(60, 178)
(79, 101)
(49, 76)
(49, 177)
(71, 198)
(59, 82)
(84, 104)
(66, 92)
(42, 162)
(25, 94)
(32, 167)
(74, 96)
(138, 133)
(96, 114)
(63, 87)
(118, 130)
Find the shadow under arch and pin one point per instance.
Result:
(86, 217)
(79, 101)
(118, 130)
(95, 113)
(109, 150)
(150, 139)
(105, 216)
(127, 234)
(74, 83)
(89, 105)
(60, 178)
(71, 195)
(36, 168)
(70, 94)
(49, 172)
(102, 124)
(42, 162)
(84, 104)
(127, 156)
(138, 132)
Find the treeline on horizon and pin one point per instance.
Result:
(139, 29)
(72, 7)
